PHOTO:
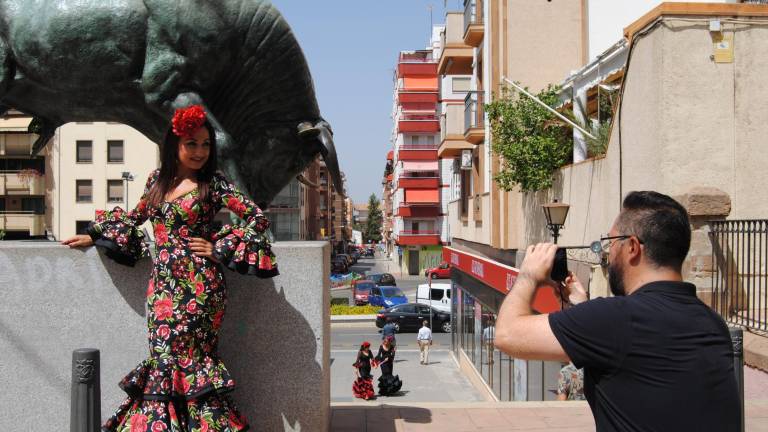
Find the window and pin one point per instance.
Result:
(430, 139)
(114, 191)
(84, 190)
(115, 151)
(436, 294)
(84, 151)
(2, 204)
(81, 226)
(406, 309)
(34, 205)
(424, 310)
(461, 84)
(415, 139)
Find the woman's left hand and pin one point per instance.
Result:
(202, 248)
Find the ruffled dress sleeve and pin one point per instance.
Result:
(117, 230)
(244, 248)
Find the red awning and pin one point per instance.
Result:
(422, 196)
(498, 276)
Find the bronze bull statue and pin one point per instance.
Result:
(136, 61)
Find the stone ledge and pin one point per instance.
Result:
(756, 351)
(706, 202)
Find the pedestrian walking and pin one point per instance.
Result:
(389, 384)
(183, 384)
(570, 384)
(389, 330)
(363, 386)
(654, 356)
(424, 339)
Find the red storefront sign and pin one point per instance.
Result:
(499, 277)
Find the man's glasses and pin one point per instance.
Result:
(603, 246)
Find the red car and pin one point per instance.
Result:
(361, 289)
(443, 271)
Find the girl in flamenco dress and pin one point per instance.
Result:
(183, 385)
(363, 385)
(388, 384)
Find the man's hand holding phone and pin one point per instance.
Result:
(537, 265)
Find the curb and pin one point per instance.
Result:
(352, 318)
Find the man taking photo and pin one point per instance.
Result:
(654, 356)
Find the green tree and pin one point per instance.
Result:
(372, 229)
(530, 140)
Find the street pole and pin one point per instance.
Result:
(737, 339)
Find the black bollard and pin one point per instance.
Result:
(85, 408)
(737, 338)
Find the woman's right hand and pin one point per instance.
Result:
(80, 240)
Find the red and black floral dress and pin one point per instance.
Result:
(182, 386)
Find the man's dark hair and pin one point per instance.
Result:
(661, 223)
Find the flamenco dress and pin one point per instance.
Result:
(183, 386)
(363, 386)
(388, 384)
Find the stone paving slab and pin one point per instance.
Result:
(487, 417)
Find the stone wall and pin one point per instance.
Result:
(275, 338)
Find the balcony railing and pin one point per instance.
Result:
(417, 117)
(416, 57)
(420, 232)
(418, 147)
(470, 13)
(474, 113)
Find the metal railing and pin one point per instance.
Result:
(470, 13)
(416, 57)
(418, 147)
(417, 117)
(473, 110)
(419, 232)
(740, 272)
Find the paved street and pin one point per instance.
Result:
(440, 381)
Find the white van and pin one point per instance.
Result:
(438, 296)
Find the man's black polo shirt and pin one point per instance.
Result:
(656, 360)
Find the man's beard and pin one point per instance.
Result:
(616, 279)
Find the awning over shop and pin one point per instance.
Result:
(420, 166)
(498, 276)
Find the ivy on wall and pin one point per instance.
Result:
(531, 142)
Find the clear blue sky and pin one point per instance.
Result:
(351, 47)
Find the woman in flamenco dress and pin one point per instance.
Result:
(183, 386)
(388, 384)
(363, 385)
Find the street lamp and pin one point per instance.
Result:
(556, 213)
(127, 177)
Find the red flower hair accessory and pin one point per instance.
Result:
(186, 121)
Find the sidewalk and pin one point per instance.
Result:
(487, 416)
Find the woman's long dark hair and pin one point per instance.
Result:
(169, 156)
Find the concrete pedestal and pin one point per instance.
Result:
(275, 339)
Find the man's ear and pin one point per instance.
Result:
(634, 249)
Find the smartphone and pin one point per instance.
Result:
(560, 267)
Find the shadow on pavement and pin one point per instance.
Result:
(382, 417)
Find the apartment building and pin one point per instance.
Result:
(23, 209)
(418, 227)
(387, 214)
(486, 42)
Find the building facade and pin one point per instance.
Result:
(23, 180)
(480, 46)
(418, 225)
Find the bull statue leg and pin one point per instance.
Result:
(323, 134)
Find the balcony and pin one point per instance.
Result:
(474, 117)
(418, 123)
(17, 183)
(452, 140)
(417, 152)
(456, 56)
(420, 211)
(416, 63)
(418, 183)
(25, 221)
(421, 237)
(406, 96)
(473, 22)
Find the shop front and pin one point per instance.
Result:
(478, 287)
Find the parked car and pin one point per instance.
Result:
(355, 255)
(437, 296)
(382, 279)
(386, 296)
(443, 271)
(339, 265)
(409, 317)
(369, 253)
(361, 289)
(346, 258)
